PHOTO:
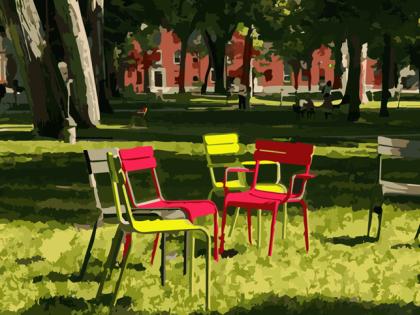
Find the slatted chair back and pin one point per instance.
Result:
(284, 153)
(96, 162)
(222, 150)
(401, 149)
(139, 159)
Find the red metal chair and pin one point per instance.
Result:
(299, 154)
(142, 158)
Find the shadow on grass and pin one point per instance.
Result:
(317, 306)
(71, 305)
(351, 241)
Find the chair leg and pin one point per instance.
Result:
(222, 237)
(112, 257)
(305, 224)
(163, 259)
(88, 252)
(127, 241)
(259, 211)
(369, 221)
(235, 218)
(210, 195)
(379, 212)
(273, 227)
(191, 264)
(185, 252)
(248, 215)
(417, 234)
(127, 249)
(155, 245)
(216, 235)
(283, 235)
(208, 271)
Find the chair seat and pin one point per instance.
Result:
(232, 184)
(257, 199)
(158, 226)
(193, 208)
(276, 188)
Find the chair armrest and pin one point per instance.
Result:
(305, 177)
(234, 170)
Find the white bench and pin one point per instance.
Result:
(397, 149)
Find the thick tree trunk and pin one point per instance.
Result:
(353, 84)
(338, 69)
(96, 23)
(181, 79)
(386, 67)
(41, 78)
(78, 58)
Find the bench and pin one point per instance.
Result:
(397, 149)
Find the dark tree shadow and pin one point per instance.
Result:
(351, 241)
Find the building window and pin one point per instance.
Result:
(177, 57)
(195, 59)
(159, 52)
(228, 60)
(287, 73)
(321, 75)
(195, 78)
(158, 77)
(268, 75)
(212, 76)
(139, 77)
(305, 75)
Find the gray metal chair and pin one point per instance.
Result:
(395, 149)
(96, 162)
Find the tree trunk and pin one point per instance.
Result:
(181, 78)
(353, 84)
(96, 23)
(295, 68)
(206, 78)
(246, 59)
(110, 72)
(219, 66)
(146, 78)
(386, 67)
(41, 78)
(78, 58)
(208, 42)
(338, 69)
(309, 77)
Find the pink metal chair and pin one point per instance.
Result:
(299, 154)
(142, 158)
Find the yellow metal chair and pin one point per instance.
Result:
(128, 225)
(223, 150)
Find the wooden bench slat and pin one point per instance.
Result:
(399, 147)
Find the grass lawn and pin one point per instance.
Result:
(44, 193)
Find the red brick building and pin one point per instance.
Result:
(273, 76)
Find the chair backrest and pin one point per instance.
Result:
(399, 148)
(284, 153)
(219, 147)
(96, 162)
(138, 159)
(118, 181)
